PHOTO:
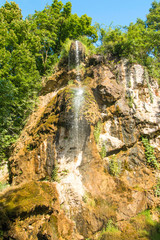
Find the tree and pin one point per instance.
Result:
(138, 42)
(153, 30)
(10, 12)
(153, 26)
(19, 77)
(54, 25)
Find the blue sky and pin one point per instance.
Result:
(120, 12)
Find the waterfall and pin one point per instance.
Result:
(77, 61)
(78, 100)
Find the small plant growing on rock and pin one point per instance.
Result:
(70, 82)
(130, 100)
(55, 174)
(114, 166)
(149, 153)
(112, 229)
(65, 172)
(97, 132)
(103, 151)
(157, 189)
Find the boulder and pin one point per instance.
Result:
(109, 90)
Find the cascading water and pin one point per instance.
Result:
(69, 158)
(78, 101)
(77, 61)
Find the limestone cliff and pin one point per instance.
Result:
(88, 158)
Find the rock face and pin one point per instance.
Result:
(85, 151)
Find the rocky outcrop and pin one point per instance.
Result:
(32, 211)
(109, 90)
(85, 147)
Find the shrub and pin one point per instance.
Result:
(114, 166)
(103, 151)
(149, 153)
(97, 131)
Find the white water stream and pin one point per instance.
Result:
(77, 62)
(78, 101)
(71, 189)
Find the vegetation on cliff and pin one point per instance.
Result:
(137, 42)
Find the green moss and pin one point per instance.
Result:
(26, 198)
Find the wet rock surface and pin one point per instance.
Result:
(93, 158)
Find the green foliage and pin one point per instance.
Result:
(89, 47)
(149, 153)
(65, 48)
(114, 166)
(128, 42)
(53, 26)
(130, 100)
(97, 132)
(110, 229)
(103, 151)
(138, 42)
(157, 189)
(55, 173)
